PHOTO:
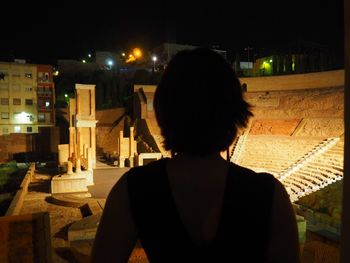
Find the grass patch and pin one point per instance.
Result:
(11, 177)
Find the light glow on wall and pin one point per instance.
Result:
(23, 117)
(17, 129)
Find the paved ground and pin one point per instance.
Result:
(104, 180)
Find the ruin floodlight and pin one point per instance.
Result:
(154, 58)
(271, 60)
(123, 54)
(84, 61)
(89, 55)
(66, 95)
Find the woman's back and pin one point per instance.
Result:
(175, 225)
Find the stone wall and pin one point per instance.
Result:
(274, 127)
(319, 111)
(314, 103)
(107, 133)
(317, 80)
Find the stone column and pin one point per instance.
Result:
(69, 168)
(85, 150)
(120, 141)
(78, 166)
(75, 148)
(131, 142)
(93, 145)
(89, 159)
(78, 152)
(121, 154)
(131, 147)
(71, 141)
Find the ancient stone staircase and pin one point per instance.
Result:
(321, 166)
(238, 148)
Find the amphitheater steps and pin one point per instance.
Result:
(274, 153)
(315, 170)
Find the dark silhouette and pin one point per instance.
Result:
(197, 206)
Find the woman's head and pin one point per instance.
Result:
(199, 104)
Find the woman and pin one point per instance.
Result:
(196, 206)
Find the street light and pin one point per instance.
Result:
(154, 58)
(109, 62)
(137, 53)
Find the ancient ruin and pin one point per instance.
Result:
(296, 133)
(80, 153)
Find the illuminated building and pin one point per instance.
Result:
(26, 98)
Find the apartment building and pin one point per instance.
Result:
(26, 98)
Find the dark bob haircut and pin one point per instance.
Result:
(199, 103)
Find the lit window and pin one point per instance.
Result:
(5, 115)
(23, 117)
(47, 104)
(29, 102)
(16, 101)
(29, 129)
(17, 129)
(41, 117)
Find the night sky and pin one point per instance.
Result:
(45, 32)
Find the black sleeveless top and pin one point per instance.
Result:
(243, 230)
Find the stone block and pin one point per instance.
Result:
(69, 184)
(143, 156)
(84, 229)
(63, 153)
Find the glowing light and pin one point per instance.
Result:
(271, 60)
(110, 62)
(17, 129)
(56, 73)
(23, 117)
(123, 54)
(137, 52)
(66, 95)
(130, 59)
(89, 55)
(84, 61)
(154, 58)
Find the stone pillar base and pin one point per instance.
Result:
(131, 161)
(69, 184)
(121, 162)
(89, 175)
